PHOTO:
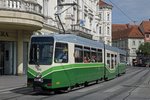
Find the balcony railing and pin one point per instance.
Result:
(20, 5)
(77, 27)
(81, 31)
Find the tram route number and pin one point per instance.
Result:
(38, 80)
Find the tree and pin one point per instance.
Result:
(144, 49)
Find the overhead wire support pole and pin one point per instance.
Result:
(61, 23)
(57, 14)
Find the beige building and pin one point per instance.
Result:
(18, 20)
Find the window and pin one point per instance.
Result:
(87, 56)
(133, 43)
(147, 35)
(100, 16)
(108, 30)
(78, 54)
(140, 42)
(122, 58)
(108, 60)
(93, 55)
(99, 55)
(112, 61)
(91, 21)
(61, 53)
(115, 60)
(85, 15)
(108, 17)
(41, 51)
(100, 30)
(133, 50)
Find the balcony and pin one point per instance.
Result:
(81, 31)
(20, 14)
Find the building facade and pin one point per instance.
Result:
(145, 29)
(104, 22)
(77, 16)
(129, 38)
(18, 20)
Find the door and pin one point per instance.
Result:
(1, 58)
(8, 58)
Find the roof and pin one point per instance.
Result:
(146, 26)
(130, 32)
(101, 3)
(80, 40)
(73, 39)
(116, 27)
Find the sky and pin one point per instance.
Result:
(134, 11)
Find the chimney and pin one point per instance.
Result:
(128, 25)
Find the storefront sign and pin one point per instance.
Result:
(3, 34)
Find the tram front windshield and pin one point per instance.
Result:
(41, 50)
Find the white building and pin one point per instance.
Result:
(129, 38)
(104, 22)
(77, 16)
(19, 19)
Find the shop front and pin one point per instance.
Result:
(14, 52)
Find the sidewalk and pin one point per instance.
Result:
(12, 82)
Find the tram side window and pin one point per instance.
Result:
(108, 60)
(61, 53)
(112, 61)
(78, 54)
(99, 55)
(122, 58)
(93, 55)
(86, 58)
(115, 60)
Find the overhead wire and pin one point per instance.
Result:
(122, 12)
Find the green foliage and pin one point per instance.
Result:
(144, 49)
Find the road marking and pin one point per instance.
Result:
(8, 89)
(113, 89)
(85, 89)
(5, 92)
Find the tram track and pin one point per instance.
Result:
(29, 92)
(95, 90)
(20, 92)
(131, 87)
(107, 86)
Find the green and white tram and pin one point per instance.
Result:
(62, 61)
